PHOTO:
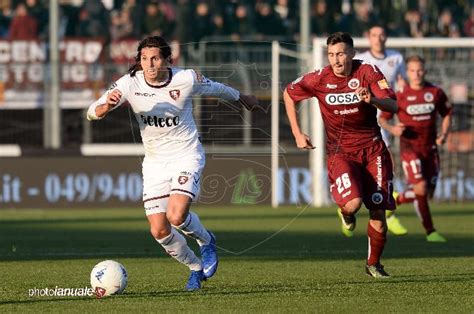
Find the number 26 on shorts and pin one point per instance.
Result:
(343, 182)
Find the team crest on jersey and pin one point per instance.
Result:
(183, 179)
(353, 83)
(428, 97)
(383, 84)
(377, 198)
(175, 94)
(391, 63)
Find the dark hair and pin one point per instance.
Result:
(340, 37)
(415, 58)
(377, 24)
(151, 42)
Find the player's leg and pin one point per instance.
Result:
(346, 191)
(156, 193)
(176, 246)
(185, 188)
(377, 234)
(422, 174)
(394, 224)
(377, 198)
(404, 197)
(188, 222)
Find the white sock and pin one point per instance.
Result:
(175, 245)
(193, 228)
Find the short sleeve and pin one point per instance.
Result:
(378, 84)
(300, 88)
(202, 86)
(444, 106)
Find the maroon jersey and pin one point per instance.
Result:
(350, 123)
(417, 110)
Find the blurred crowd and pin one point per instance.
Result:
(191, 21)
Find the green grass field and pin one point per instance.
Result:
(272, 260)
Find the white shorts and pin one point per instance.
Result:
(161, 179)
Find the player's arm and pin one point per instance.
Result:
(401, 75)
(384, 104)
(445, 126)
(378, 93)
(302, 140)
(110, 100)
(395, 129)
(206, 87)
(98, 110)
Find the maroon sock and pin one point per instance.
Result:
(423, 210)
(407, 196)
(376, 245)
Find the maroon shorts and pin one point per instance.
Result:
(421, 167)
(366, 173)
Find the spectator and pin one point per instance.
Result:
(169, 11)
(69, 19)
(469, 24)
(414, 26)
(36, 10)
(136, 12)
(358, 23)
(90, 25)
(268, 23)
(218, 26)
(184, 12)
(5, 20)
(154, 21)
(322, 23)
(202, 25)
(390, 13)
(243, 24)
(121, 25)
(286, 14)
(446, 27)
(23, 26)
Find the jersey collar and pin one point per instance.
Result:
(168, 81)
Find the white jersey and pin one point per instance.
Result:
(391, 65)
(164, 113)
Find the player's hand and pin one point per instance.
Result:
(364, 94)
(441, 139)
(401, 83)
(397, 129)
(113, 98)
(250, 102)
(303, 141)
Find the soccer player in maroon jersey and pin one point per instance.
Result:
(419, 104)
(359, 165)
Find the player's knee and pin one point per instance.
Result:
(176, 215)
(421, 188)
(351, 207)
(378, 220)
(159, 232)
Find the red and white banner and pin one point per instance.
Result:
(86, 68)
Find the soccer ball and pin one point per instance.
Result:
(108, 278)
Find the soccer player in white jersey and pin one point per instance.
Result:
(392, 65)
(161, 98)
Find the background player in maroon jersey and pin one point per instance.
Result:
(419, 103)
(359, 164)
(392, 65)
